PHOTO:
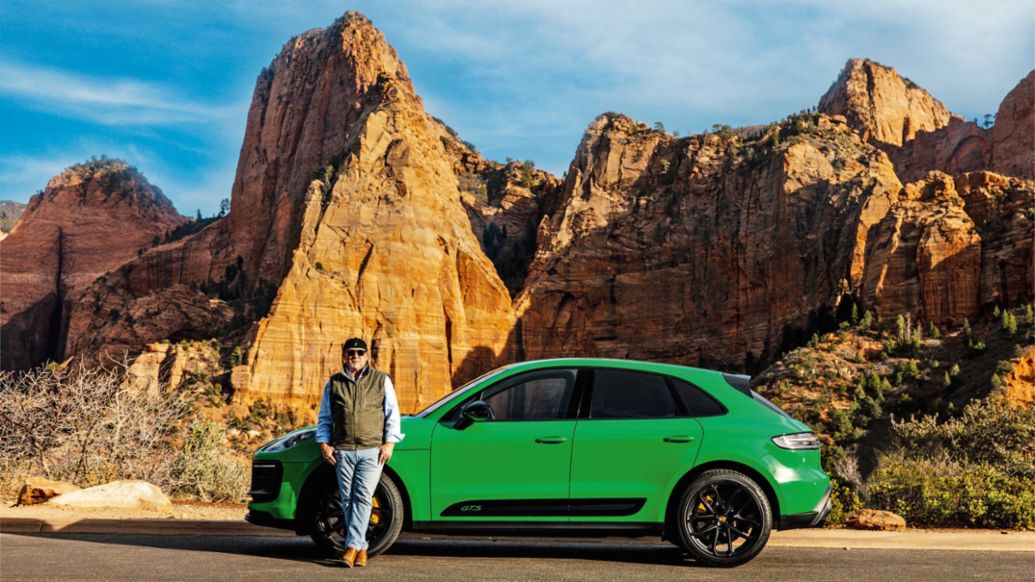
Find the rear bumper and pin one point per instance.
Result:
(813, 518)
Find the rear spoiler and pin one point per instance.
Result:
(742, 384)
(739, 381)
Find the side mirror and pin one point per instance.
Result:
(476, 411)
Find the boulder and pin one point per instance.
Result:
(39, 489)
(875, 519)
(122, 494)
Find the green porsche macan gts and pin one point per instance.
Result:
(584, 446)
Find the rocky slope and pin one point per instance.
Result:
(63, 242)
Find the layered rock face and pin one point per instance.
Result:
(702, 250)
(63, 242)
(721, 251)
(386, 253)
(345, 220)
(950, 247)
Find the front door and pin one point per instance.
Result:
(515, 466)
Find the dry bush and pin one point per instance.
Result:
(83, 425)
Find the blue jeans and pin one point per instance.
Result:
(358, 473)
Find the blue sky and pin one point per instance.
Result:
(166, 85)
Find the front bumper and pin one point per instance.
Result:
(814, 518)
(264, 519)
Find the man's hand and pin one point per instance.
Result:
(328, 453)
(386, 453)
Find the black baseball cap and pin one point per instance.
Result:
(354, 343)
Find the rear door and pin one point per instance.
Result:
(633, 441)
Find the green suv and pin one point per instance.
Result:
(585, 446)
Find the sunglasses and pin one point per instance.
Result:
(355, 352)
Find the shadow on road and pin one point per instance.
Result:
(301, 549)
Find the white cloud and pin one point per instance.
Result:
(108, 101)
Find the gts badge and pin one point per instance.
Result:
(470, 508)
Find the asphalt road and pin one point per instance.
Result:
(147, 557)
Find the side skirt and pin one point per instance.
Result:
(531, 528)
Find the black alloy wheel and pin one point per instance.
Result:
(386, 519)
(724, 518)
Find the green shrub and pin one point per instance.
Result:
(206, 469)
(844, 501)
(946, 493)
(977, 469)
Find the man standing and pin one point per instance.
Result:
(357, 429)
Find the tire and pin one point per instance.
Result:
(723, 519)
(327, 528)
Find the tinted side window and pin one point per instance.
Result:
(625, 394)
(540, 396)
(696, 401)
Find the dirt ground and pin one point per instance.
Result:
(187, 510)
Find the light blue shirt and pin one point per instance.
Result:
(325, 421)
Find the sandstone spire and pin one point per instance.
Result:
(882, 105)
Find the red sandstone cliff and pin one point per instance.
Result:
(704, 250)
(90, 219)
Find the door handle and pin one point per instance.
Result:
(551, 440)
(679, 438)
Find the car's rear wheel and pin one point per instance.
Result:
(386, 519)
(723, 518)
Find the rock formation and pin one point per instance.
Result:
(706, 250)
(1011, 148)
(883, 106)
(918, 133)
(356, 213)
(89, 220)
(345, 220)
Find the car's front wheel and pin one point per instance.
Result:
(723, 518)
(386, 519)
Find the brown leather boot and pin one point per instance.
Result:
(350, 557)
(361, 559)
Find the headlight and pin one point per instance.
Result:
(287, 441)
(797, 441)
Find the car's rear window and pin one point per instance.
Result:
(625, 394)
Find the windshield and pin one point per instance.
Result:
(441, 401)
